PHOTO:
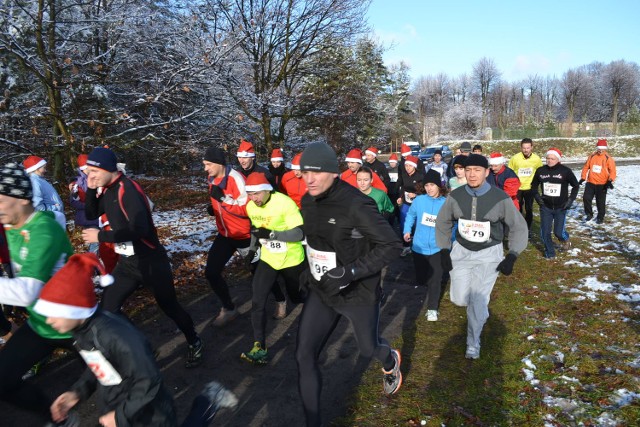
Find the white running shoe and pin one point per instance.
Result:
(432, 315)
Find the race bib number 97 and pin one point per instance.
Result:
(551, 190)
(474, 231)
(320, 262)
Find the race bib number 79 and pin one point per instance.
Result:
(474, 231)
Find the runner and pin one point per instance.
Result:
(354, 163)
(143, 260)
(439, 166)
(503, 177)
(600, 173)
(348, 244)
(292, 183)
(45, 197)
(385, 207)
(465, 150)
(247, 162)
(276, 166)
(277, 233)
(421, 217)
(554, 178)
(77, 194)
(524, 164)
(459, 179)
(371, 157)
(410, 180)
(476, 257)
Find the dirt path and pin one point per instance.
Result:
(268, 395)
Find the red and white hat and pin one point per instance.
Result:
(554, 152)
(393, 157)
(82, 161)
(245, 149)
(601, 145)
(411, 160)
(276, 155)
(33, 163)
(69, 294)
(257, 181)
(372, 150)
(496, 159)
(295, 162)
(405, 150)
(354, 156)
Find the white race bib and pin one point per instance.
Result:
(525, 172)
(274, 246)
(428, 220)
(551, 190)
(320, 262)
(101, 368)
(124, 248)
(393, 177)
(408, 198)
(596, 168)
(474, 231)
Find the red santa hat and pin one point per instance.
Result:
(372, 150)
(393, 157)
(245, 149)
(257, 181)
(554, 152)
(82, 161)
(33, 163)
(496, 159)
(411, 160)
(295, 162)
(354, 156)
(601, 145)
(405, 150)
(276, 155)
(69, 294)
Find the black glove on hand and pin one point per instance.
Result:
(609, 185)
(506, 266)
(248, 260)
(336, 279)
(567, 205)
(216, 193)
(305, 279)
(261, 233)
(209, 209)
(445, 260)
(581, 182)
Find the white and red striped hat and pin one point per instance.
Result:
(554, 152)
(602, 144)
(245, 149)
(496, 159)
(276, 155)
(372, 150)
(411, 160)
(354, 156)
(393, 157)
(295, 162)
(257, 181)
(82, 161)
(405, 150)
(33, 163)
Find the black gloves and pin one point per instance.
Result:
(336, 279)
(209, 209)
(538, 199)
(216, 193)
(248, 260)
(567, 205)
(506, 266)
(581, 182)
(261, 233)
(445, 260)
(609, 185)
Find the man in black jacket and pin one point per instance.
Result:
(371, 156)
(348, 244)
(143, 259)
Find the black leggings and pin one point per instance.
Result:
(22, 351)
(262, 283)
(525, 200)
(429, 272)
(219, 254)
(600, 192)
(317, 322)
(153, 272)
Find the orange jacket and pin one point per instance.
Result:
(351, 178)
(293, 186)
(599, 168)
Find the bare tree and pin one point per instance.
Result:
(619, 77)
(573, 83)
(485, 74)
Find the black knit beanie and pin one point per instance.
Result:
(459, 160)
(477, 160)
(103, 158)
(215, 155)
(15, 182)
(319, 157)
(433, 177)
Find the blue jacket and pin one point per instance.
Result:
(76, 198)
(422, 214)
(45, 197)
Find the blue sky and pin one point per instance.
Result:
(544, 37)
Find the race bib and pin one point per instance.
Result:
(101, 368)
(474, 231)
(428, 220)
(596, 168)
(525, 172)
(408, 198)
(551, 190)
(274, 246)
(320, 262)
(124, 248)
(393, 177)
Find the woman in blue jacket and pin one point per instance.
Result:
(426, 253)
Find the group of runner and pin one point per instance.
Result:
(326, 234)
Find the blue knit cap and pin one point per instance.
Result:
(103, 158)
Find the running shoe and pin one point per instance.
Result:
(194, 354)
(405, 251)
(257, 355)
(281, 310)
(392, 380)
(472, 352)
(225, 317)
(432, 315)
(219, 397)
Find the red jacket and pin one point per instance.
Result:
(231, 214)
(506, 180)
(352, 179)
(293, 186)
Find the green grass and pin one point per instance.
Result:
(532, 315)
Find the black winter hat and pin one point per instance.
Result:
(477, 160)
(215, 155)
(319, 157)
(433, 177)
(465, 147)
(15, 182)
(459, 160)
(103, 158)
(437, 152)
